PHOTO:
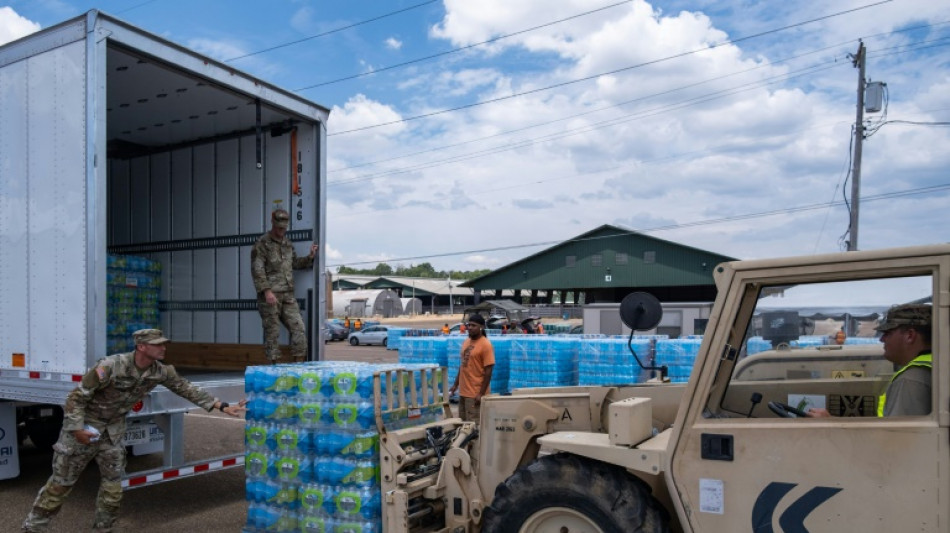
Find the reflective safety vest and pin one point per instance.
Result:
(925, 361)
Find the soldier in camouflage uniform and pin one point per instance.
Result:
(94, 425)
(273, 261)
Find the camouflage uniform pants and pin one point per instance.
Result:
(70, 458)
(286, 312)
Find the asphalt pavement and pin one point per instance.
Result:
(207, 503)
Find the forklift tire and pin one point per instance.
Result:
(563, 492)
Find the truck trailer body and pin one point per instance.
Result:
(116, 143)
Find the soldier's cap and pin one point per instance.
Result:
(149, 336)
(908, 315)
(280, 218)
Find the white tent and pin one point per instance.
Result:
(411, 306)
(367, 303)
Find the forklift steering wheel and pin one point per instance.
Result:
(787, 411)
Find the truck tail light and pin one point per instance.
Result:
(138, 407)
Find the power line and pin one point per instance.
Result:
(614, 121)
(734, 218)
(126, 10)
(590, 127)
(455, 50)
(330, 32)
(916, 123)
(621, 104)
(608, 73)
(589, 112)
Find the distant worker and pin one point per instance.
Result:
(445, 329)
(358, 325)
(94, 426)
(273, 260)
(462, 327)
(346, 323)
(906, 334)
(840, 337)
(473, 380)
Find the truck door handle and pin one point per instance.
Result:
(716, 447)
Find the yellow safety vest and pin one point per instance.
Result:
(926, 361)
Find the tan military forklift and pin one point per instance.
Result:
(728, 452)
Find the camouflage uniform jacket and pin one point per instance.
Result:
(273, 262)
(114, 385)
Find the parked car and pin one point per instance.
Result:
(333, 331)
(370, 335)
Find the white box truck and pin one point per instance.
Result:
(118, 144)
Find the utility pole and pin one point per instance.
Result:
(451, 303)
(857, 61)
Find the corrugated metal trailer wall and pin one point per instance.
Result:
(207, 204)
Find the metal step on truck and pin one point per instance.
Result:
(135, 175)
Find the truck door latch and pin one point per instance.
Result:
(716, 447)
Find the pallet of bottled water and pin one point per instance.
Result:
(543, 361)
(679, 356)
(423, 349)
(757, 344)
(312, 440)
(608, 361)
(501, 374)
(133, 285)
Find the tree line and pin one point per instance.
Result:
(423, 270)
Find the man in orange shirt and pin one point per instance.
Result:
(475, 369)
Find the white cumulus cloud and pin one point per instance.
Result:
(13, 26)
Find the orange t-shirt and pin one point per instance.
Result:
(476, 356)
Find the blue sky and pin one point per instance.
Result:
(733, 136)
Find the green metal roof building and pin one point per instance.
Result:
(606, 264)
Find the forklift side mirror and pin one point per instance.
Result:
(640, 311)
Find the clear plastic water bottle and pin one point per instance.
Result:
(310, 413)
(362, 444)
(309, 383)
(255, 464)
(255, 435)
(253, 518)
(314, 523)
(315, 498)
(360, 472)
(267, 518)
(277, 494)
(331, 441)
(290, 468)
(332, 470)
(287, 522)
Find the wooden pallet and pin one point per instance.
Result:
(213, 356)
